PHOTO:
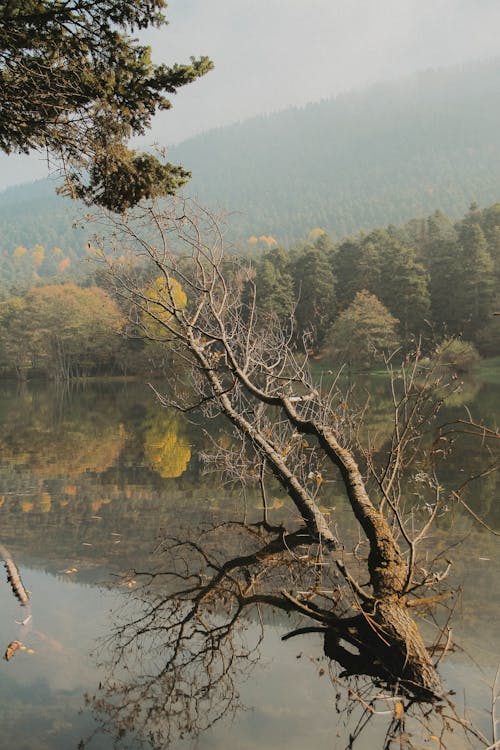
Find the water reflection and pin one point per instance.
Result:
(184, 641)
(90, 485)
(58, 439)
(166, 445)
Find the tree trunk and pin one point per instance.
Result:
(389, 647)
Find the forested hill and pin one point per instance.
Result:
(38, 236)
(366, 159)
(361, 160)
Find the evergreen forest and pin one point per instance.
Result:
(355, 301)
(364, 159)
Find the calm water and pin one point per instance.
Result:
(92, 480)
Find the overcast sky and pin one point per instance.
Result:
(271, 54)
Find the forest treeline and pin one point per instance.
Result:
(430, 279)
(352, 301)
(361, 160)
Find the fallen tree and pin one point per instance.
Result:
(293, 431)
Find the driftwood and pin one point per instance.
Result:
(14, 578)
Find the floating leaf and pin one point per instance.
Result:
(398, 710)
(11, 649)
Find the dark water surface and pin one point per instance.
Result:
(92, 480)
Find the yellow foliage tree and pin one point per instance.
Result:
(268, 240)
(316, 232)
(64, 264)
(161, 297)
(38, 255)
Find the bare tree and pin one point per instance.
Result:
(190, 632)
(290, 430)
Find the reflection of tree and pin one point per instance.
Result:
(465, 393)
(63, 442)
(166, 448)
(182, 638)
(370, 411)
(19, 591)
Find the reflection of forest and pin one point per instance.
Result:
(95, 476)
(59, 434)
(56, 434)
(91, 481)
(74, 464)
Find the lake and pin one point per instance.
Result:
(92, 481)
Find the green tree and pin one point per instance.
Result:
(356, 268)
(402, 285)
(315, 293)
(490, 224)
(274, 283)
(385, 266)
(363, 332)
(456, 356)
(462, 275)
(75, 82)
(478, 279)
(443, 254)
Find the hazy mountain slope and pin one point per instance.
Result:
(365, 159)
(32, 215)
(360, 160)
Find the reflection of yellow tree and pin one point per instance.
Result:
(165, 446)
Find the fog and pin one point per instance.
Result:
(271, 54)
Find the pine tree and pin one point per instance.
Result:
(315, 294)
(444, 260)
(477, 286)
(274, 282)
(75, 83)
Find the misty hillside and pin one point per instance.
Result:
(363, 159)
(38, 236)
(378, 156)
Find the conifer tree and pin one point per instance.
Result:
(315, 294)
(75, 83)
